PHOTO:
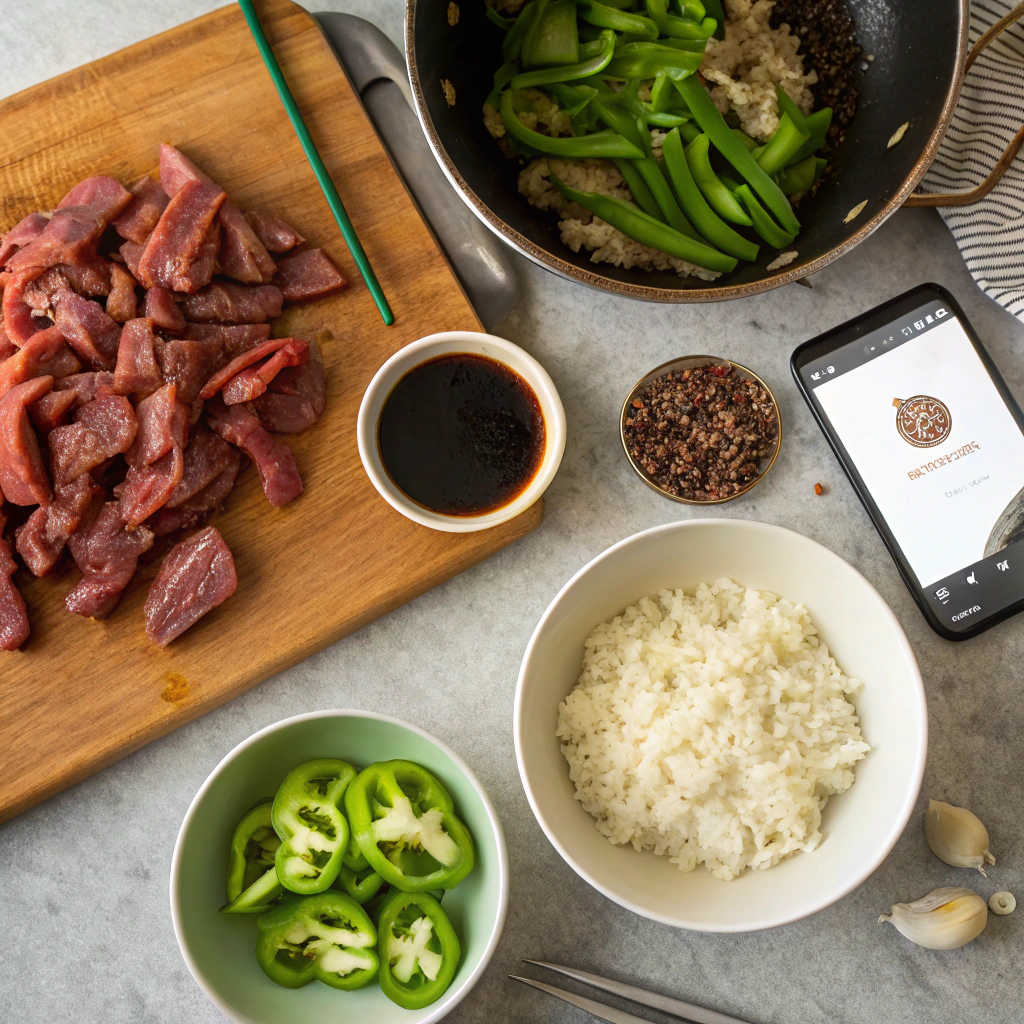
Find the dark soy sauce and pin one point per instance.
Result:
(462, 435)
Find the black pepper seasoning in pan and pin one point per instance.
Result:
(702, 433)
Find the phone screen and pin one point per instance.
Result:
(919, 415)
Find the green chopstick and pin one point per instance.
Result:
(316, 162)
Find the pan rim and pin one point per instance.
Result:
(795, 271)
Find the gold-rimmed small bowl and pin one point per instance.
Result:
(690, 363)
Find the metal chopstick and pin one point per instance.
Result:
(653, 1000)
(599, 1010)
(323, 177)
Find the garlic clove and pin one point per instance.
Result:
(1002, 903)
(944, 919)
(957, 836)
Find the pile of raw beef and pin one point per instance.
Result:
(136, 372)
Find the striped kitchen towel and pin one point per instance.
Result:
(990, 233)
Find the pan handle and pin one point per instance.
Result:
(966, 198)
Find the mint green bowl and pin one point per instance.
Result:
(219, 949)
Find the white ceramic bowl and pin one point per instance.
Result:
(219, 949)
(404, 360)
(861, 826)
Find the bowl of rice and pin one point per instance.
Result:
(720, 725)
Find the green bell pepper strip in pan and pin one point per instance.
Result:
(747, 142)
(648, 60)
(679, 28)
(630, 100)
(257, 898)
(787, 106)
(252, 849)
(307, 816)
(713, 9)
(763, 223)
(648, 169)
(692, 9)
(418, 949)
(502, 77)
(362, 885)
(512, 44)
(641, 193)
(599, 144)
(621, 21)
(706, 114)
(798, 177)
(553, 36)
(718, 195)
(704, 219)
(817, 124)
(636, 224)
(327, 937)
(782, 146)
(569, 72)
(405, 824)
(503, 23)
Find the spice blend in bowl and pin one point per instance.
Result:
(701, 430)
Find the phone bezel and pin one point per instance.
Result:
(827, 342)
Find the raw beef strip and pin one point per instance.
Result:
(137, 370)
(307, 275)
(236, 338)
(196, 576)
(206, 457)
(7, 347)
(43, 354)
(19, 323)
(75, 226)
(131, 253)
(294, 352)
(49, 412)
(179, 235)
(216, 490)
(86, 386)
(242, 255)
(141, 214)
(121, 302)
(44, 293)
(224, 302)
(89, 276)
(163, 310)
(163, 423)
(252, 382)
(88, 330)
(146, 489)
(107, 554)
(188, 364)
(27, 229)
(274, 461)
(23, 478)
(167, 520)
(296, 396)
(176, 170)
(200, 271)
(14, 628)
(41, 539)
(104, 427)
(277, 235)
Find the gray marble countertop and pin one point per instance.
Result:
(85, 930)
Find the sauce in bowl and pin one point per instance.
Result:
(462, 434)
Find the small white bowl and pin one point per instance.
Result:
(449, 343)
(860, 826)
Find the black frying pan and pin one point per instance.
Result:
(919, 49)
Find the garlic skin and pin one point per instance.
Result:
(944, 919)
(957, 836)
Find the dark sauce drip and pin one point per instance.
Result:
(462, 435)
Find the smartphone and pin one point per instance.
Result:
(933, 443)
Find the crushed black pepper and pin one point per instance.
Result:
(702, 434)
(828, 45)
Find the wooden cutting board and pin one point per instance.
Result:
(83, 694)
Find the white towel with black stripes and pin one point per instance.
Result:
(990, 233)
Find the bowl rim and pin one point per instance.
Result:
(444, 1005)
(833, 894)
(794, 271)
(698, 360)
(407, 359)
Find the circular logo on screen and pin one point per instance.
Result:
(922, 421)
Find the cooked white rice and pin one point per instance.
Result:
(743, 70)
(711, 728)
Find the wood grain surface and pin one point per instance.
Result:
(83, 694)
